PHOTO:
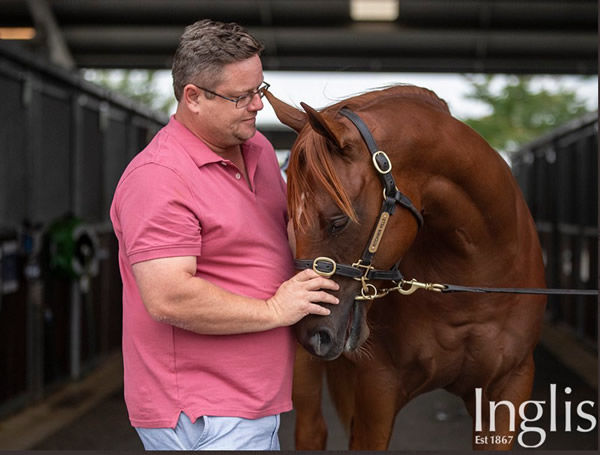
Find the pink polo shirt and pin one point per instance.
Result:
(178, 198)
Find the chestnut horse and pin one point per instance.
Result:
(476, 231)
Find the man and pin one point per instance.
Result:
(208, 292)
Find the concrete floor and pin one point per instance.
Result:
(435, 421)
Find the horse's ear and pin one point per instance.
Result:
(288, 115)
(323, 125)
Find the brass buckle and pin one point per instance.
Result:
(325, 259)
(376, 164)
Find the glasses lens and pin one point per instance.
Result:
(245, 100)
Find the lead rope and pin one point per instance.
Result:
(407, 287)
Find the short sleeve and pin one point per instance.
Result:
(156, 215)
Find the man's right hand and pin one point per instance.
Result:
(300, 296)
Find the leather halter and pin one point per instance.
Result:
(362, 269)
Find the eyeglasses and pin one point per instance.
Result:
(244, 100)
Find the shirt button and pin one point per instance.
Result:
(238, 176)
(223, 163)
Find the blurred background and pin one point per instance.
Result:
(85, 84)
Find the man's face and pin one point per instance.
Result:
(221, 122)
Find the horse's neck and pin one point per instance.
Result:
(450, 207)
(477, 225)
(473, 210)
(476, 239)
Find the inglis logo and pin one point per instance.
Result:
(527, 418)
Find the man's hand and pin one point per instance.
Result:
(298, 297)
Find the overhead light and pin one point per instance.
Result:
(17, 33)
(374, 10)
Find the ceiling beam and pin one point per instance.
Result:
(510, 36)
(359, 48)
(456, 13)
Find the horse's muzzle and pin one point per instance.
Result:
(328, 337)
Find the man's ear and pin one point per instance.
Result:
(191, 96)
(288, 115)
(325, 126)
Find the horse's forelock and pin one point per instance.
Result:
(311, 166)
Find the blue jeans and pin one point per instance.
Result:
(214, 433)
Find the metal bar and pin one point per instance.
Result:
(44, 20)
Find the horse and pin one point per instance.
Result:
(453, 213)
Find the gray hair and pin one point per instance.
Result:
(205, 47)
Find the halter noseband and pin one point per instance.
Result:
(362, 269)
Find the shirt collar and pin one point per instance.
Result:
(200, 153)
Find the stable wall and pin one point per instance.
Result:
(558, 174)
(63, 145)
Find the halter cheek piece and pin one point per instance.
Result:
(362, 269)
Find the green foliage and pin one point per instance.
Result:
(520, 112)
(144, 86)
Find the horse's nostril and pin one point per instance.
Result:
(321, 341)
(325, 336)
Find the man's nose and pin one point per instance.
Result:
(256, 104)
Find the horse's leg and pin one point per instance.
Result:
(375, 407)
(311, 429)
(515, 388)
(341, 382)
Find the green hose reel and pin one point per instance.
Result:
(72, 249)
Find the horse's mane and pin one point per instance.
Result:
(311, 164)
(396, 91)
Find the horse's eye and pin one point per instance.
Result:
(337, 224)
